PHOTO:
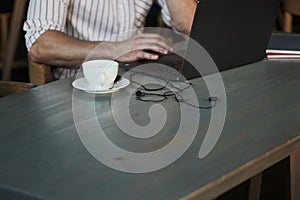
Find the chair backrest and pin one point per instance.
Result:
(17, 8)
(39, 74)
(4, 26)
(5, 15)
(292, 6)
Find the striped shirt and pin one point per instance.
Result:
(90, 20)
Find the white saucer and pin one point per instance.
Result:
(82, 84)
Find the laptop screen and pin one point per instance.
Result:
(233, 32)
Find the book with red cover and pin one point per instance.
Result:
(284, 45)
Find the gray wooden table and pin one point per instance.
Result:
(41, 153)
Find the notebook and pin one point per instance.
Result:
(284, 45)
(233, 32)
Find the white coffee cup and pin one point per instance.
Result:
(100, 74)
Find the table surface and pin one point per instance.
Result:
(41, 153)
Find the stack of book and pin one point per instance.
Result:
(283, 45)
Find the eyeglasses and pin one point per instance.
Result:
(151, 94)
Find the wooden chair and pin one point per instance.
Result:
(5, 15)
(290, 8)
(11, 41)
(4, 24)
(10, 87)
(39, 74)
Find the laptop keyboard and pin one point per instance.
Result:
(164, 68)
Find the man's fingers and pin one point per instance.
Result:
(155, 36)
(137, 55)
(133, 48)
(145, 55)
(155, 39)
(152, 47)
(140, 46)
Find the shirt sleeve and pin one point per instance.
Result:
(165, 12)
(44, 15)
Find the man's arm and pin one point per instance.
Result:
(48, 44)
(58, 49)
(182, 14)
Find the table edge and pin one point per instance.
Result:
(248, 170)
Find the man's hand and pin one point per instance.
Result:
(133, 48)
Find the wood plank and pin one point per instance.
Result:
(12, 87)
(255, 187)
(39, 74)
(295, 175)
(14, 33)
(4, 20)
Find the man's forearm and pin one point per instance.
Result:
(182, 14)
(58, 49)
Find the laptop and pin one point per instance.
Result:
(233, 32)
